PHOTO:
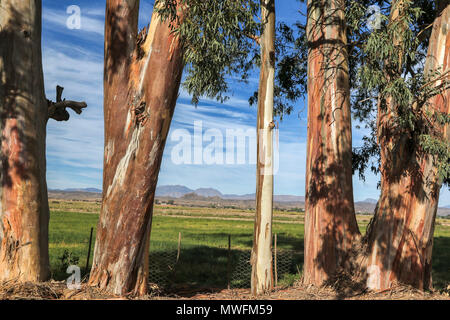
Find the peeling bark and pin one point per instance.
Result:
(400, 237)
(330, 221)
(142, 79)
(261, 259)
(24, 210)
(24, 112)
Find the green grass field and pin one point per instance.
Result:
(204, 246)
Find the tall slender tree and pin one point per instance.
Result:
(330, 221)
(24, 112)
(262, 265)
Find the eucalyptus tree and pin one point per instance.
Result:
(330, 220)
(142, 75)
(261, 259)
(404, 78)
(24, 112)
(399, 86)
(143, 72)
(314, 62)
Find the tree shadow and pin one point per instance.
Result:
(23, 118)
(390, 251)
(15, 91)
(330, 221)
(441, 262)
(121, 33)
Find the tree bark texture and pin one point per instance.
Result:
(142, 78)
(400, 236)
(262, 266)
(24, 213)
(330, 221)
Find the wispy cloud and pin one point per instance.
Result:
(91, 21)
(74, 59)
(81, 75)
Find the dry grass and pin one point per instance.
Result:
(13, 290)
(300, 292)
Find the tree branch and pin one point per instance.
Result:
(253, 37)
(57, 110)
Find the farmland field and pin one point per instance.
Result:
(204, 255)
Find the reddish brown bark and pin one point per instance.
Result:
(330, 221)
(262, 273)
(24, 210)
(142, 78)
(24, 112)
(401, 233)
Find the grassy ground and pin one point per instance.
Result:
(203, 260)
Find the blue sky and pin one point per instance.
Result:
(73, 58)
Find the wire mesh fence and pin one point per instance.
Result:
(286, 264)
(162, 267)
(212, 267)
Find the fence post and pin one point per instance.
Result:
(228, 261)
(89, 251)
(275, 262)
(179, 246)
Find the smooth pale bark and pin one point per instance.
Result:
(330, 221)
(142, 78)
(262, 266)
(24, 213)
(401, 234)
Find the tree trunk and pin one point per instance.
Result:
(330, 221)
(262, 267)
(24, 213)
(142, 79)
(401, 233)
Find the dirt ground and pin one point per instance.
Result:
(58, 291)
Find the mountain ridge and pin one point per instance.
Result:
(177, 191)
(211, 194)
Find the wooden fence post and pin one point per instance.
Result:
(89, 252)
(229, 262)
(179, 246)
(275, 260)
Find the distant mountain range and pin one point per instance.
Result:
(90, 190)
(179, 192)
(370, 200)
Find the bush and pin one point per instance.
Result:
(68, 259)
